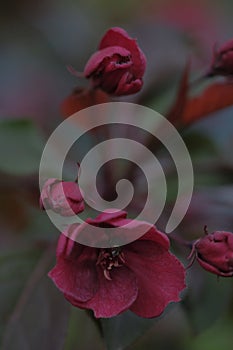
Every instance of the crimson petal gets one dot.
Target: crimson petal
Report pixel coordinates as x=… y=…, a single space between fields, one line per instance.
x=113 y=297
x=126 y=88
x=213 y=269
x=71 y=190
x=97 y=58
x=156 y=236
x=108 y=216
x=77 y=278
x=160 y=277
x=134 y=227
x=119 y=37
x=68 y=248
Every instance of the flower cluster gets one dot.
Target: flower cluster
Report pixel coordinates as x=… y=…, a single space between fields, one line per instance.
x=115 y=69
x=142 y=276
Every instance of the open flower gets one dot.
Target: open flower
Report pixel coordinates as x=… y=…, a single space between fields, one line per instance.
x=214 y=252
x=119 y=64
x=63 y=197
x=142 y=276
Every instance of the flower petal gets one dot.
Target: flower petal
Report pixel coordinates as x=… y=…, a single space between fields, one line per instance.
x=108 y=216
x=77 y=278
x=134 y=227
x=68 y=248
x=71 y=190
x=160 y=277
x=156 y=236
x=213 y=269
x=45 y=193
x=97 y=58
x=112 y=297
x=119 y=37
x=87 y=234
x=126 y=88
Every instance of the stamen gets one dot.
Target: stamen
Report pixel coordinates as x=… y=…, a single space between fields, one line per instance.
x=109 y=258
x=107 y=275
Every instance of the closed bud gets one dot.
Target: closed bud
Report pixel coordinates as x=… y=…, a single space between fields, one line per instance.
x=63 y=197
x=222 y=63
x=214 y=252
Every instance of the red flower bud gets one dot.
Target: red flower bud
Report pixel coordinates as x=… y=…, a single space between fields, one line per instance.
x=214 y=252
x=222 y=63
x=118 y=67
x=64 y=198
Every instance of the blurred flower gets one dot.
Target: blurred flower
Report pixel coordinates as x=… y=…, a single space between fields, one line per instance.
x=64 y=198
x=197 y=20
x=214 y=252
x=142 y=276
x=222 y=63
x=119 y=64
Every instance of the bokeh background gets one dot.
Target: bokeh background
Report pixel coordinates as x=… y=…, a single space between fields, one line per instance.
x=37 y=40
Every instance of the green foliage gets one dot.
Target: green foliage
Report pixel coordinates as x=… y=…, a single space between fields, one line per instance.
x=122 y=330
x=35 y=314
x=82 y=332
x=21 y=146
x=207 y=300
x=15 y=267
x=219 y=336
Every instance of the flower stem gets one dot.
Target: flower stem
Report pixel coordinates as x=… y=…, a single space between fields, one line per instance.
x=96 y=321
x=181 y=241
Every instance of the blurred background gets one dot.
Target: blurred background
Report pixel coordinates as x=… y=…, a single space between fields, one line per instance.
x=38 y=39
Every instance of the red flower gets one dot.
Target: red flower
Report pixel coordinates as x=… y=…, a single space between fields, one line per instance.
x=118 y=66
x=62 y=197
x=214 y=252
x=222 y=63
x=142 y=276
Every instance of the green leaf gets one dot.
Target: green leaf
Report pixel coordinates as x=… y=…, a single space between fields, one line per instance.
x=200 y=146
x=39 y=228
x=219 y=336
x=164 y=98
x=21 y=147
x=207 y=300
x=82 y=332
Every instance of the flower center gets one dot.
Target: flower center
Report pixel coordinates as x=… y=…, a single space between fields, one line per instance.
x=109 y=258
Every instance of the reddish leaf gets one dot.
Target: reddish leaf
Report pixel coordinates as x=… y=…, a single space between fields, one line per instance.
x=174 y=115
x=190 y=109
x=217 y=96
x=82 y=98
x=11 y=204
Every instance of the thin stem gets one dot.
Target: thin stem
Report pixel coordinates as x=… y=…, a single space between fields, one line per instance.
x=74 y=72
x=181 y=241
